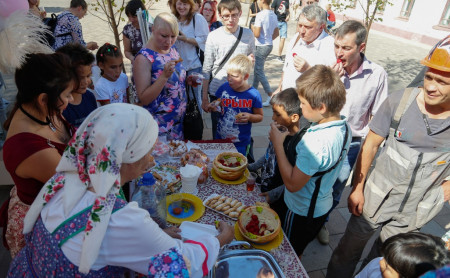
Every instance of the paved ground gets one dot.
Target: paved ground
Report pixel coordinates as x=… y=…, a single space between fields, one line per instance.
x=399 y=57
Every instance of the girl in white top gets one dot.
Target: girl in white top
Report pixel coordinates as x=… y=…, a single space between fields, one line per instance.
x=193 y=33
x=111 y=147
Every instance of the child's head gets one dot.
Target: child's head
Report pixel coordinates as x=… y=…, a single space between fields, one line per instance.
x=321 y=92
x=412 y=254
x=238 y=71
x=286 y=108
x=82 y=61
x=45 y=83
x=230 y=11
x=110 y=61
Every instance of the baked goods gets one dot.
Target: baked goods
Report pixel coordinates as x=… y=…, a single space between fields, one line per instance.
x=216 y=102
x=177 y=148
x=179 y=60
x=230 y=165
x=259 y=224
x=168 y=175
x=198 y=158
x=224 y=205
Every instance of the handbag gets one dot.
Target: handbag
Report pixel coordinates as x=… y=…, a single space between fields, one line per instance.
x=193 y=122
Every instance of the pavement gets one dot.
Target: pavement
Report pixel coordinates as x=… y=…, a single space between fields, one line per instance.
x=398 y=56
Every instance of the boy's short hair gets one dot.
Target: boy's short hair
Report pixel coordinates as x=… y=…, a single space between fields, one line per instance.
x=412 y=254
x=288 y=99
x=78 y=54
x=240 y=63
x=229 y=5
x=320 y=84
x=78 y=3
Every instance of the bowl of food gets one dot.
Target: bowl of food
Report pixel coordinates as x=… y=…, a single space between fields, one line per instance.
x=230 y=165
x=259 y=224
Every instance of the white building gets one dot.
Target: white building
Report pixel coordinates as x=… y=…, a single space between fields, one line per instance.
x=425 y=21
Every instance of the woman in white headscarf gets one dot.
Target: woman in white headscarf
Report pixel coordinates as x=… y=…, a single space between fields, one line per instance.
x=79 y=224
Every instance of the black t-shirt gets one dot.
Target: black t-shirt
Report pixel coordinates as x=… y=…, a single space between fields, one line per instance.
x=281 y=9
x=75 y=114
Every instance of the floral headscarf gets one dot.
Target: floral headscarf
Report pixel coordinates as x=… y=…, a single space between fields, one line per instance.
x=109 y=136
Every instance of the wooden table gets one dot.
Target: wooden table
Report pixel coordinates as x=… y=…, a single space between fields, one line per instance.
x=284 y=254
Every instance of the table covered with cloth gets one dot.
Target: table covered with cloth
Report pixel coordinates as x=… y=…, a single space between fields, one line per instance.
x=284 y=253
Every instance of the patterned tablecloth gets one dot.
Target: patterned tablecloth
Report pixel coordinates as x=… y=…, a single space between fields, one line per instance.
x=284 y=254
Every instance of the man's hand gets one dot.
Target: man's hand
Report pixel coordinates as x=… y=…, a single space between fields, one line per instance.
x=338 y=68
x=446 y=188
x=356 y=203
x=300 y=64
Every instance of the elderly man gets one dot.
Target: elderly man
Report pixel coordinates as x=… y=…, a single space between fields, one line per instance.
x=310 y=46
x=366 y=86
x=409 y=183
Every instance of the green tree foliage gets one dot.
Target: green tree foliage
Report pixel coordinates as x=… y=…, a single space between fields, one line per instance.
x=373 y=10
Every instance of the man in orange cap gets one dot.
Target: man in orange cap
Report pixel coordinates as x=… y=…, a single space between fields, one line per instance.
x=410 y=181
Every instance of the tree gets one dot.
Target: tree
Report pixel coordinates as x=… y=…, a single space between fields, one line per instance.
x=372 y=10
x=113 y=12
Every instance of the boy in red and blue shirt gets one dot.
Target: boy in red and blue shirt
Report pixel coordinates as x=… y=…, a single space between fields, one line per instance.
x=240 y=105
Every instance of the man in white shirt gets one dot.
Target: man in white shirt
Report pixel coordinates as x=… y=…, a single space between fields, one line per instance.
x=366 y=86
x=310 y=46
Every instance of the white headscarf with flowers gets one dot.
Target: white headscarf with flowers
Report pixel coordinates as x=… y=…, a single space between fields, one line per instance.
x=109 y=136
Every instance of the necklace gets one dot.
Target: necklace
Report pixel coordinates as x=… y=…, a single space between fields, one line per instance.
x=52 y=127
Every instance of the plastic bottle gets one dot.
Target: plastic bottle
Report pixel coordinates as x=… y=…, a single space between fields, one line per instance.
x=151 y=196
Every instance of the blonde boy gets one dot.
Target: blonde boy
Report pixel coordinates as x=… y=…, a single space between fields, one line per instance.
x=308 y=192
x=240 y=104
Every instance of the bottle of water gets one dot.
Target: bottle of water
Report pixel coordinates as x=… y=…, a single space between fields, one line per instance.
x=151 y=196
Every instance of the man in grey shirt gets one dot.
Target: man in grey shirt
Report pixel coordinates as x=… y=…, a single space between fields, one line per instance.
x=218 y=44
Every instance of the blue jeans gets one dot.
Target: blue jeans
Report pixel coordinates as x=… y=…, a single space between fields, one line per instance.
x=261 y=53
x=349 y=161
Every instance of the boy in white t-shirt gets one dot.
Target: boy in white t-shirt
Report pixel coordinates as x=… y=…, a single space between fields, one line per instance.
x=265 y=30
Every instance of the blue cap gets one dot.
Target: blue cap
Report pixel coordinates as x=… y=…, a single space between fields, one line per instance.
x=147 y=179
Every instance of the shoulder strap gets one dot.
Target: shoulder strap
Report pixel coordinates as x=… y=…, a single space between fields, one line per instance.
x=406 y=100
x=222 y=63
x=312 y=205
x=296 y=40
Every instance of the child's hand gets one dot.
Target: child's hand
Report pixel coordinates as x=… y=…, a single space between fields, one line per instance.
x=212 y=107
x=243 y=117
x=266 y=195
x=275 y=135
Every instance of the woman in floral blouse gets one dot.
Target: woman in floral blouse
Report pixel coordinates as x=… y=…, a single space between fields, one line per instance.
x=79 y=224
x=159 y=78
x=68 y=29
x=132 y=39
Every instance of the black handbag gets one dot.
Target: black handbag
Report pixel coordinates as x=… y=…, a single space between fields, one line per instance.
x=193 y=122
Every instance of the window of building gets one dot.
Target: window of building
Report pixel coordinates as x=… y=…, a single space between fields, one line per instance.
x=407 y=8
x=445 y=19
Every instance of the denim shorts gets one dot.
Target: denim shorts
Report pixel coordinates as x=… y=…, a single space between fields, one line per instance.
x=282 y=26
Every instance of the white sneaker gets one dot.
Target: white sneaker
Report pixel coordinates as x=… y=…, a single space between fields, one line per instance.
x=267 y=102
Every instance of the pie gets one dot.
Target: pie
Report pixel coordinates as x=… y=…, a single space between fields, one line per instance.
x=230 y=165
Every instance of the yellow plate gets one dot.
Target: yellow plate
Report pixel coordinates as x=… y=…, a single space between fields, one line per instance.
x=192 y=207
x=242 y=179
x=265 y=246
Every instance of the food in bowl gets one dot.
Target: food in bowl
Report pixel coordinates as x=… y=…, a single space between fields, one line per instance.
x=259 y=224
x=230 y=165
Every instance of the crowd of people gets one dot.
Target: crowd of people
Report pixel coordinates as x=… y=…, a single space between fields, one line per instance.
x=72 y=143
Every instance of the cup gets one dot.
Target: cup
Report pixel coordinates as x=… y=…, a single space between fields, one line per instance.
x=251 y=180
x=195 y=79
x=282 y=128
x=189 y=177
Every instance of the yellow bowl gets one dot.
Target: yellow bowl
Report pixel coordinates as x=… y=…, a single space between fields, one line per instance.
x=265 y=215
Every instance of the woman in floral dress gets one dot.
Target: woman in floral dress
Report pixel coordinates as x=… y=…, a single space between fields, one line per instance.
x=159 y=78
x=79 y=224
